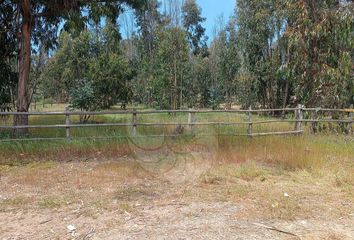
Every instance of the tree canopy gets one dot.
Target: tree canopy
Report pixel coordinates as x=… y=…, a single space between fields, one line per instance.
x=34 y=22
x=268 y=54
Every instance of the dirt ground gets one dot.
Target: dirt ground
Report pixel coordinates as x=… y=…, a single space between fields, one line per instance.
x=120 y=199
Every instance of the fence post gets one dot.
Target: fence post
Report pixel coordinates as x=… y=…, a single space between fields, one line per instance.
x=67 y=122
x=134 y=122
x=351 y=116
x=298 y=117
x=314 y=124
x=250 y=124
x=191 y=120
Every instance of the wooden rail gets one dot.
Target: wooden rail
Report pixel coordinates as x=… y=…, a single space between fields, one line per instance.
x=191 y=122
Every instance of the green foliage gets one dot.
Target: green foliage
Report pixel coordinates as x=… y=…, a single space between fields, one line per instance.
x=47 y=16
x=225 y=61
x=148 y=19
x=320 y=35
x=214 y=98
x=270 y=54
x=299 y=48
x=260 y=27
x=173 y=63
x=145 y=62
x=109 y=75
x=8 y=49
x=69 y=64
x=33 y=23
x=83 y=97
x=192 y=22
x=198 y=82
x=7 y=84
x=105 y=71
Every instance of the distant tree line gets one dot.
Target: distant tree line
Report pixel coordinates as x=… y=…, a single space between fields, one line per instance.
x=269 y=54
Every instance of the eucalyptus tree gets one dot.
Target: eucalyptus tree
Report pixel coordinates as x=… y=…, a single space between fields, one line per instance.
x=149 y=19
x=254 y=21
x=172 y=9
x=110 y=72
x=230 y=62
x=173 y=63
x=8 y=51
x=38 y=21
x=321 y=47
x=89 y=70
x=57 y=76
x=192 y=22
x=299 y=48
x=197 y=82
x=225 y=62
x=149 y=23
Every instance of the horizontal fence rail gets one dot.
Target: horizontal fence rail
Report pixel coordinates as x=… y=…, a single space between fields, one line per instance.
x=129 y=112
x=73 y=113
x=171 y=124
x=298 y=114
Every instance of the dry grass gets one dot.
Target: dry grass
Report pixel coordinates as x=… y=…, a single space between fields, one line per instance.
x=272 y=193
x=269 y=179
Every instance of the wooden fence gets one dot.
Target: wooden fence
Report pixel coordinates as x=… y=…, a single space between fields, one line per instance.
x=299 y=116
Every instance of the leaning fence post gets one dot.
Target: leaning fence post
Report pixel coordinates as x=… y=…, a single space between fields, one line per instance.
x=298 y=117
x=134 y=122
x=67 y=123
x=296 y=114
x=191 y=120
x=351 y=116
x=250 y=124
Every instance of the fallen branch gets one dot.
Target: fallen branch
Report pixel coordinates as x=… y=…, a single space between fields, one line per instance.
x=171 y=204
x=45 y=221
x=89 y=234
x=275 y=229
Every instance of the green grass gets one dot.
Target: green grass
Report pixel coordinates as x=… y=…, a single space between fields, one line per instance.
x=178 y=118
x=51 y=202
x=306 y=151
x=121 y=131
x=17 y=201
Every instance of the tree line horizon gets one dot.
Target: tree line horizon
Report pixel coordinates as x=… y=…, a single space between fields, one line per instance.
x=268 y=54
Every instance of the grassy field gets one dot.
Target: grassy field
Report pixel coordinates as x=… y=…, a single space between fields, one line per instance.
x=179 y=118
x=209 y=187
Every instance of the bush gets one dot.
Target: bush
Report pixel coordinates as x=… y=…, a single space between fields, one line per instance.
x=83 y=98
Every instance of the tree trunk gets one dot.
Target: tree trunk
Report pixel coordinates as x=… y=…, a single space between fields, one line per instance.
x=285 y=97
x=175 y=92
x=24 y=67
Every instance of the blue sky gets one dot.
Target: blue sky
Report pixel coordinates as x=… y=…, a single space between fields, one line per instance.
x=211 y=9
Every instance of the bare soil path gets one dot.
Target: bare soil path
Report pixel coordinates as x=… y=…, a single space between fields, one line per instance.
x=118 y=200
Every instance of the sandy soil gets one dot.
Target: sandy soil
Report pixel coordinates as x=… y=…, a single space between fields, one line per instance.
x=119 y=200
